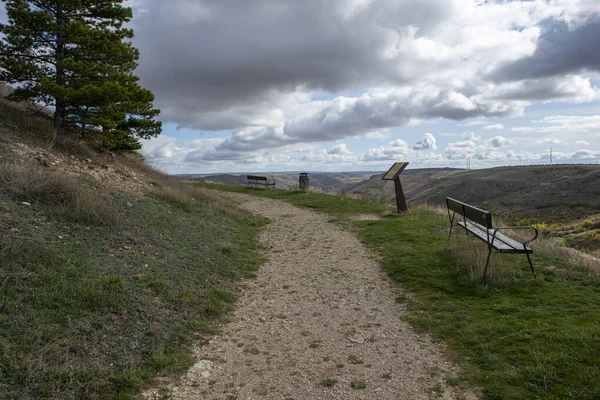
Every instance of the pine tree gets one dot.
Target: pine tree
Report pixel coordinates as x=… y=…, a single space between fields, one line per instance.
x=76 y=57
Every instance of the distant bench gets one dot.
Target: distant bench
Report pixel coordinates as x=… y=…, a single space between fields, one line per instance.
x=257 y=181
x=478 y=223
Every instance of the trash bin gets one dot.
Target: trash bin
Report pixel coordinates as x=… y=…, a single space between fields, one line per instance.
x=304 y=181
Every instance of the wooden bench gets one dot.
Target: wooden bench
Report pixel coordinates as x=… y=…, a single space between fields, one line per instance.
x=478 y=223
x=257 y=181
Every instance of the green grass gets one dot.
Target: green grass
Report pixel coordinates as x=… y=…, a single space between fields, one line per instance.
x=337 y=206
x=515 y=336
x=96 y=311
x=329 y=382
x=358 y=385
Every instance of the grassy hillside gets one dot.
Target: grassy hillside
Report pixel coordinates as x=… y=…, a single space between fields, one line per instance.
x=516 y=337
x=109 y=271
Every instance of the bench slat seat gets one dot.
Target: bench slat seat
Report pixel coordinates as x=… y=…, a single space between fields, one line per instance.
x=502 y=243
x=478 y=223
x=255 y=180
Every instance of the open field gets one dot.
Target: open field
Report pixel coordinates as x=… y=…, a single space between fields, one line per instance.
x=515 y=336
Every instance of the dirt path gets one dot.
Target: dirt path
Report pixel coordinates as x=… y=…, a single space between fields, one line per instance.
x=320 y=309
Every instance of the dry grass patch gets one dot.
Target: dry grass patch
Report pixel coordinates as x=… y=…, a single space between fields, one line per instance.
x=587 y=263
x=176 y=196
x=19 y=120
x=471 y=256
x=28 y=183
x=33 y=184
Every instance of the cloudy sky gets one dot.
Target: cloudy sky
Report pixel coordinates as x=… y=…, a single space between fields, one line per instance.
x=276 y=85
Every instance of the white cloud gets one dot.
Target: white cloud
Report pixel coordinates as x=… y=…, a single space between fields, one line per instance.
x=340 y=149
x=475 y=122
x=549 y=141
x=396 y=150
x=476 y=148
x=163 y=147
x=495 y=127
x=427 y=143
x=563 y=129
x=470 y=136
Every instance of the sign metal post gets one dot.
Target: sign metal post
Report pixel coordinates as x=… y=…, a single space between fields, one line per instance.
x=394 y=175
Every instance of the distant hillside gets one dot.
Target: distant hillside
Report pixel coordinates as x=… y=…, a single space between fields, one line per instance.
x=327 y=181
x=558 y=193
x=563 y=199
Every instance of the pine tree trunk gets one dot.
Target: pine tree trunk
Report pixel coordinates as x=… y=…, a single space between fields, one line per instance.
x=59 y=113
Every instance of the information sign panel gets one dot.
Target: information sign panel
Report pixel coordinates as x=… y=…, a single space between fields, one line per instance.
x=394 y=175
x=396 y=170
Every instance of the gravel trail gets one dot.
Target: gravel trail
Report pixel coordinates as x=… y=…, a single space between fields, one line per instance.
x=319 y=322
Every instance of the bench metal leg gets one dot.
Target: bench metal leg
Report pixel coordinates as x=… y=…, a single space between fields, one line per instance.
x=530 y=264
x=451 y=226
x=487 y=262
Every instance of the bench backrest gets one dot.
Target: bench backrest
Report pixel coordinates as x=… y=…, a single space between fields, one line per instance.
x=256 y=178
x=475 y=214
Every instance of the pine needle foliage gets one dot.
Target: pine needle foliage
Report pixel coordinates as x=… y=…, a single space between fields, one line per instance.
x=76 y=57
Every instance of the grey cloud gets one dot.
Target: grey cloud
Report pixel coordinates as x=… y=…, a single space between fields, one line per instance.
x=498 y=141
x=339 y=149
x=586 y=155
x=347 y=117
x=549 y=88
x=207 y=61
x=559 y=50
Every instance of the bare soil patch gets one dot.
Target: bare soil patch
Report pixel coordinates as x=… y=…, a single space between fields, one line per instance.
x=366 y=217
